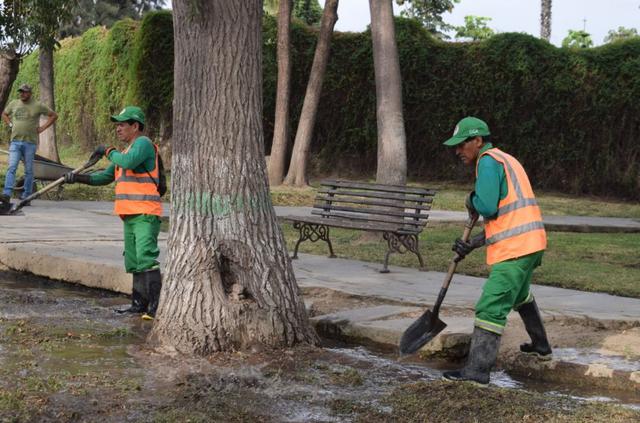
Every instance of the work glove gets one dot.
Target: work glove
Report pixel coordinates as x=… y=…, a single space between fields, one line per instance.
x=98 y=152
x=468 y=203
x=72 y=178
x=462 y=248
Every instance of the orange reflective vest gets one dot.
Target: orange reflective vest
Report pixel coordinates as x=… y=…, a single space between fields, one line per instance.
x=137 y=193
x=518 y=229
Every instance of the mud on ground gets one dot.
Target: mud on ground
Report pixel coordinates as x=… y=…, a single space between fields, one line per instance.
x=65 y=356
x=609 y=339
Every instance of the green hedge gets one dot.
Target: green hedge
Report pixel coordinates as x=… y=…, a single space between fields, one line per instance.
x=571 y=116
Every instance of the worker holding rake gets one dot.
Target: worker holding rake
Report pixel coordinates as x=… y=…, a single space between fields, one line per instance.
x=515 y=238
x=137 y=173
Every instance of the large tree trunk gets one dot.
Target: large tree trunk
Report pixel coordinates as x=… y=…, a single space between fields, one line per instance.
x=392 y=141
x=281 y=126
x=47 y=145
x=545 y=20
x=9 y=65
x=297 y=174
x=228 y=280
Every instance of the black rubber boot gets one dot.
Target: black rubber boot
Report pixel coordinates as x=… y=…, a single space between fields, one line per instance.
x=139 y=301
x=482 y=357
x=153 y=283
x=539 y=345
x=5 y=203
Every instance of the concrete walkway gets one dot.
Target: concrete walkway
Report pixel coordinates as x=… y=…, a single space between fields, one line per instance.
x=81 y=242
x=553 y=223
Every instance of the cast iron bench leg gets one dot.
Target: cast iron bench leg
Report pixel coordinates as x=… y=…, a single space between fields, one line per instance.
x=399 y=243
x=312 y=232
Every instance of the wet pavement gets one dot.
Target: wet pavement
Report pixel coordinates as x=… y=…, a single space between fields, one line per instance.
x=66 y=356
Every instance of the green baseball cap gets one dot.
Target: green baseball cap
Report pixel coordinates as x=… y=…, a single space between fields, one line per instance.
x=129 y=113
x=467 y=128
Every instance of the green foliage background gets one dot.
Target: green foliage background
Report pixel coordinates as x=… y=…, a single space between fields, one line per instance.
x=571 y=116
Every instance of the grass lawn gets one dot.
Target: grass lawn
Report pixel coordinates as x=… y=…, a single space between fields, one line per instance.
x=588 y=262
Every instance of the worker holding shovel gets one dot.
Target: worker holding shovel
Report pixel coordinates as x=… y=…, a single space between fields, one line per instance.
x=515 y=238
x=136 y=172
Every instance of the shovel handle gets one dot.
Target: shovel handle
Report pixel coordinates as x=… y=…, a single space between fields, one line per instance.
x=471 y=221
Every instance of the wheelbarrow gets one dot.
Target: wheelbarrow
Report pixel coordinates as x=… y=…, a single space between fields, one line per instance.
x=44 y=171
x=7 y=208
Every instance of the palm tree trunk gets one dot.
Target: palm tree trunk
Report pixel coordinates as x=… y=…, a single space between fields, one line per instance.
x=47 y=145
x=281 y=126
x=297 y=174
x=9 y=65
x=545 y=20
x=392 y=150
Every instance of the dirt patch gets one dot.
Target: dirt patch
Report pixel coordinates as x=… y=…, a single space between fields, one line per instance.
x=326 y=301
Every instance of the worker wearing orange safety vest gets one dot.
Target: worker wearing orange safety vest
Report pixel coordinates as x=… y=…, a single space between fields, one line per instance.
x=136 y=173
x=515 y=238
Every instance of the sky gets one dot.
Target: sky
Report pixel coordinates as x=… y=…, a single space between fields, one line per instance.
x=520 y=16
x=596 y=16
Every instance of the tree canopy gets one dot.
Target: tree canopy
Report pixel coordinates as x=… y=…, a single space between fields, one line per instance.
x=308 y=11
x=89 y=13
x=620 y=34
x=429 y=14
x=577 y=39
x=475 y=28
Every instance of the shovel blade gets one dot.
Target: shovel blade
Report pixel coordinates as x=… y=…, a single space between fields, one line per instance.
x=423 y=330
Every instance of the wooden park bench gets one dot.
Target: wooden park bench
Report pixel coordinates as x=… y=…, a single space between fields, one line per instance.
x=398 y=211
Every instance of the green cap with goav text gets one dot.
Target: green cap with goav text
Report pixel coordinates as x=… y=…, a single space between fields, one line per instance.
x=468 y=127
x=129 y=113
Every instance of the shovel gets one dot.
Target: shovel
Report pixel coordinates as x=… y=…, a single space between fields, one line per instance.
x=429 y=324
x=8 y=209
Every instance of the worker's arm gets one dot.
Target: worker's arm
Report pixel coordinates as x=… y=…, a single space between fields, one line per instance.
x=52 y=117
x=141 y=150
x=6 y=119
x=104 y=177
x=488 y=187
x=6 y=114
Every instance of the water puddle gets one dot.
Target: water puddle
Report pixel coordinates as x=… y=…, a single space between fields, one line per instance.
x=593 y=356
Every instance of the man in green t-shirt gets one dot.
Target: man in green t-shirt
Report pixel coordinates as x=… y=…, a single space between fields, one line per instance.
x=23 y=116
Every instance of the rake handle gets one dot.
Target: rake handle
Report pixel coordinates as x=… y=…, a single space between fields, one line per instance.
x=93 y=160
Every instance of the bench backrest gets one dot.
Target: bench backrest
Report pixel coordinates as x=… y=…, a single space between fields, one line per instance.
x=396 y=207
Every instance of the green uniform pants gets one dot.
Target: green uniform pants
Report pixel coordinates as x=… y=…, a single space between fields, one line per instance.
x=141 y=242
x=507 y=288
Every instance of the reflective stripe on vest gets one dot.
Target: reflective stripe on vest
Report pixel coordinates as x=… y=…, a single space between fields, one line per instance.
x=137 y=193
x=518 y=229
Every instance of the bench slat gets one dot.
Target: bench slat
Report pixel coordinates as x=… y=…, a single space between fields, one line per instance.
x=369 y=210
x=378 y=187
x=340 y=199
x=369 y=218
x=350 y=224
x=379 y=195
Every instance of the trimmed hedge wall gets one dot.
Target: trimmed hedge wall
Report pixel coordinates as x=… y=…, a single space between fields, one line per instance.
x=571 y=116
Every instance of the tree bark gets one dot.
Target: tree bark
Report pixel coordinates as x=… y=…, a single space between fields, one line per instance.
x=392 y=150
x=545 y=20
x=281 y=126
x=47 y=145
x=228 y=280
x=9 y=65
x=297 y=174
